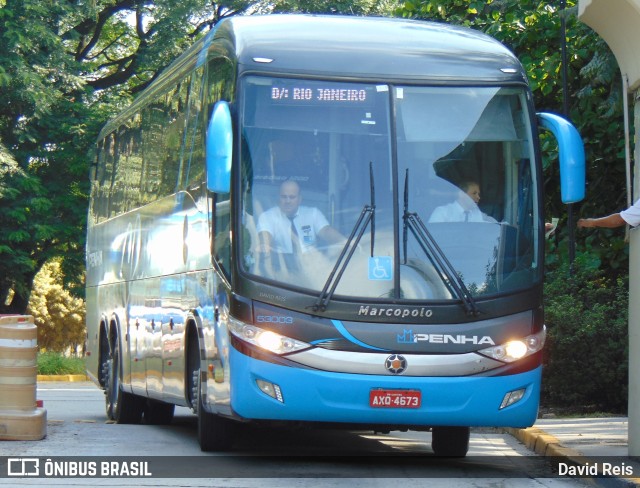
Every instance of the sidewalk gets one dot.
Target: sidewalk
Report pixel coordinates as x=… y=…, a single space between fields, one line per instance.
x=586 y=443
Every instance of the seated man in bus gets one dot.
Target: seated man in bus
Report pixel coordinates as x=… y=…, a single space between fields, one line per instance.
x=464 y=208
x=292 y=229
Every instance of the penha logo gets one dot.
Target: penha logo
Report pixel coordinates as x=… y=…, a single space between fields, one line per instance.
x=408 y=337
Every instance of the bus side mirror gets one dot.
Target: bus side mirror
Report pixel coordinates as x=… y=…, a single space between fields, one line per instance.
x=571 y=154
x=219 y=149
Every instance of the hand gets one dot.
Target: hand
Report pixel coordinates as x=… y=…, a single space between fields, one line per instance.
x=550 y=227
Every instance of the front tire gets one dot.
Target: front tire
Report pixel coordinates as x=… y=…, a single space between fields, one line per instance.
x=450 y=441
x=215 y=433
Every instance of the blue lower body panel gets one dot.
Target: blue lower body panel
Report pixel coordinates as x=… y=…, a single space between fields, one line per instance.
x=321 y=396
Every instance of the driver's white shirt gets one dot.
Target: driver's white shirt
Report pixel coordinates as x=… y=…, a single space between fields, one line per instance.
x=454 y=212
x=309 y=221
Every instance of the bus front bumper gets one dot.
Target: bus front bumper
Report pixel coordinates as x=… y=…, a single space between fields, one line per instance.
x=265 y=391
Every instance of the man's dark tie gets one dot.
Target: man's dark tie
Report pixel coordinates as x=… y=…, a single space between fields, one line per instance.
x=466 y=216
x=295 y=242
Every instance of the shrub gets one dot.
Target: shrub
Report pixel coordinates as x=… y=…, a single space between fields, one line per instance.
x=586 y=357
x=51 y=363
x=60 y=317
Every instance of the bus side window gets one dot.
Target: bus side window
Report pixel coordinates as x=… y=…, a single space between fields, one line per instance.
x=110 y=182
x=192 y=157
x=101 y=185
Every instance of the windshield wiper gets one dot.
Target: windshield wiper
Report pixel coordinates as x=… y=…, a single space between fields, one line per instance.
x=367 y=215
x=413 y=222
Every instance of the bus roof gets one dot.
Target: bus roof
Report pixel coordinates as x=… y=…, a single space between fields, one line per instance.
x=369 y=47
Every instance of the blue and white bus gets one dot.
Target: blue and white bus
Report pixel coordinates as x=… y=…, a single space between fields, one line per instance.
x=333 y=221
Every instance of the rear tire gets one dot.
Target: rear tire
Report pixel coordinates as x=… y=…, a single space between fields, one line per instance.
x=121 y=407
x=450 y=441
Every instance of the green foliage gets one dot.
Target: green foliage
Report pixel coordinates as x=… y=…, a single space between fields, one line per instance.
x=65 y=68
x=53 y=363
x=42 y=102
x=532 y=30
x=347 y=7
x=586 y=355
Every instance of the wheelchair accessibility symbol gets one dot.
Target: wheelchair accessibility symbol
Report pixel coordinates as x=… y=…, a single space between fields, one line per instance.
x=380 y=268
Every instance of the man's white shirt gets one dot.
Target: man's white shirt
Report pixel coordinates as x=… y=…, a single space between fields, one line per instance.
x=308 y=221
x=454 y=212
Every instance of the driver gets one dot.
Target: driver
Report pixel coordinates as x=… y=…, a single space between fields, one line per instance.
x=464 y=208
x=291 y=228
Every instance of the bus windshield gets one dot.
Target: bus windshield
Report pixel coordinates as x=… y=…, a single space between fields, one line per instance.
x=445 y=173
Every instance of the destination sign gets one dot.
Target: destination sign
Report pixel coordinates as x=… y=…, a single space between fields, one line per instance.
x=302 y=94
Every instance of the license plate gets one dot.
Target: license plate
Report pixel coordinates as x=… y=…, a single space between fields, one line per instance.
x=380 y=398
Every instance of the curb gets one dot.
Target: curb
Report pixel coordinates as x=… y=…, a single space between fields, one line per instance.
x=544 y=444
x=62 y=377
x=538 y=441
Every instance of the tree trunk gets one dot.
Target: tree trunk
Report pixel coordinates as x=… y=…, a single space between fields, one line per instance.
x=17 y=304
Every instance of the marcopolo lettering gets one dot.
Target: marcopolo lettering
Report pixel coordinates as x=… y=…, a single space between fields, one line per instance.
x=400 y=312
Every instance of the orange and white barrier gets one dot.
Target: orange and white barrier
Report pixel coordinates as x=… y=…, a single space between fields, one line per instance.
x=20 y=416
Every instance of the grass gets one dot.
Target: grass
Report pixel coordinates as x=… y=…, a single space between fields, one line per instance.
x=52 y=363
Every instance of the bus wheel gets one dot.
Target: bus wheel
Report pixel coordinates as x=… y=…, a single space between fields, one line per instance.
x=450 y=441
x=215 y=433
x=122 y=407
x=157 y=412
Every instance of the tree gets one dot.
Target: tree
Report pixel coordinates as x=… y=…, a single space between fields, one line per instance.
x=346 y=7
x=36 y=218
x=59 y=316
x=65 y=68
x=531 y=29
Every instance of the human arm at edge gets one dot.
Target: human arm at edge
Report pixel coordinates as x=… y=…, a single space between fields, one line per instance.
x=610 y=221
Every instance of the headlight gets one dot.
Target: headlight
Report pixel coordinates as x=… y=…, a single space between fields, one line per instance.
x=517 y=349
x=265 y=339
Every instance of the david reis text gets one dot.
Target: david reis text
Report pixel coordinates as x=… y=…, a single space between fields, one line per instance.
x=595 y=469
